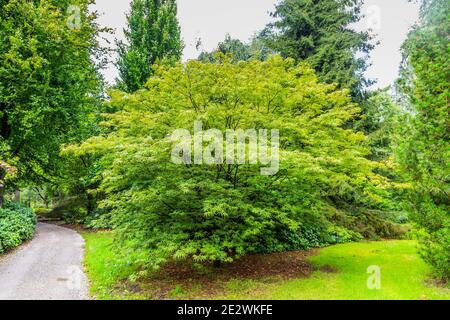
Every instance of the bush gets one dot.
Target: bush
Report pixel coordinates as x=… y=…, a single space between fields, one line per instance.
x=17 y=224
x=217 y=213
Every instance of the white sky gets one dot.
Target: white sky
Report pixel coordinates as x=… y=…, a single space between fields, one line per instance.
x=211 y=20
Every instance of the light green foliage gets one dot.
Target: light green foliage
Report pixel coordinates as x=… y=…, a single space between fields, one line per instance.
x=319 y=32
x=17 y=224
x=152 y=34
x=48 y=83
x=424 y=139
x=220 y=212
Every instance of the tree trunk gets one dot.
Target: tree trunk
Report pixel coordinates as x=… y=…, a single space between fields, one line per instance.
x=90 y=205
x=2 y=187
x=2 y=195
x=17 y=196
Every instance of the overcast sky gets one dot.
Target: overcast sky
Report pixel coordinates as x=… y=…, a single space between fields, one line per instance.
x=211 y=20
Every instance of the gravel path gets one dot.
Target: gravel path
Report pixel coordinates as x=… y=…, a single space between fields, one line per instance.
x=47 y=268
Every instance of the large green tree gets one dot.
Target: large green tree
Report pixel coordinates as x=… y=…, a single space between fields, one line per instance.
x=319 y=31
x=153 y=33
x=424 y=142
x=49 y=84
x=325 y=190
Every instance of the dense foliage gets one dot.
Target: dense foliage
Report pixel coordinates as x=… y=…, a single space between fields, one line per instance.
x=326 y=190
x=152 y=34
x=237 y=50
x=424 y=143
x=349 y=160
x=320 y=32
x=379 y=120
x=17 y=224
x=49 y=86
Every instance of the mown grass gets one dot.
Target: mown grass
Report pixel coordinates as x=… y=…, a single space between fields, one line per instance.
x=106 y=269
x=403 y=275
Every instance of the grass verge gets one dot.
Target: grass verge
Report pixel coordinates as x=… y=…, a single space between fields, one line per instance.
x=107 y=271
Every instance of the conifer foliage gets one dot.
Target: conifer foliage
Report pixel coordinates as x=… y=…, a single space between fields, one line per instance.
x=320 y=32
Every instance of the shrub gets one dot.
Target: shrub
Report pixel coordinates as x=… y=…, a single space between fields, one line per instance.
x=17 y=224
x=216 y=213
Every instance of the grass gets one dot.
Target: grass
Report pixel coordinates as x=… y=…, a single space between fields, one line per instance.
x=107 y=271
x=403 y=275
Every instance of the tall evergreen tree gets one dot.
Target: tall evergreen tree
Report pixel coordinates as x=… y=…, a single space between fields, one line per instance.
x=153 y=33
x=319 y=32
x=424 y=144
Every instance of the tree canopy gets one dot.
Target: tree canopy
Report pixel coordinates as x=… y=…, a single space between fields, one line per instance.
x=219 y=212
x=153 y=33
x=320 y=33
x=48 y=82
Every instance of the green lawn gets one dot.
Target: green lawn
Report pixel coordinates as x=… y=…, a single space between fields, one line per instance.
x=403 y=275
x=105 y=269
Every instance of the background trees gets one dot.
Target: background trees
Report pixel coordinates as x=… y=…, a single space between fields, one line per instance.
x=49 y=86
x=381 y=115
x=153 y=33
x=424 y=139
x=319 y=32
